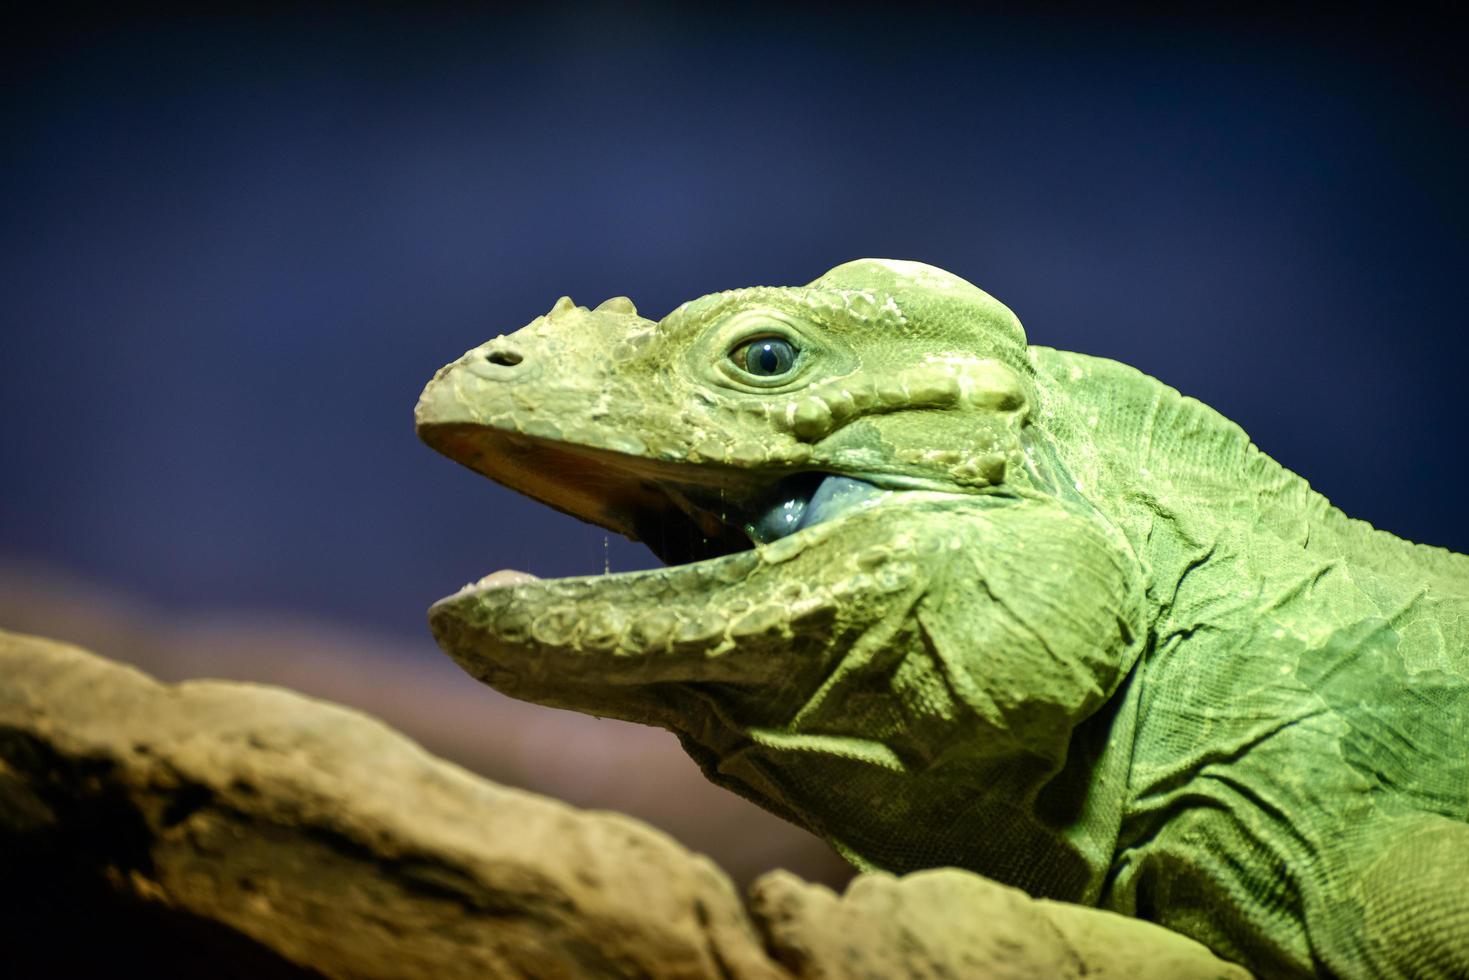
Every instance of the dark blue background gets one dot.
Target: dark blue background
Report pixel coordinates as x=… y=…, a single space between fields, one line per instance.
x=234 y=248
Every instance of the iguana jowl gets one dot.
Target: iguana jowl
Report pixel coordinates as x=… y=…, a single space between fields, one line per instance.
x=945 y=598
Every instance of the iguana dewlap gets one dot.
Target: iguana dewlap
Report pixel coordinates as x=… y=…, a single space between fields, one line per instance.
x=945 y=598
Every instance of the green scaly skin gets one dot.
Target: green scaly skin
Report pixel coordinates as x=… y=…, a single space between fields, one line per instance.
x=1094 y=643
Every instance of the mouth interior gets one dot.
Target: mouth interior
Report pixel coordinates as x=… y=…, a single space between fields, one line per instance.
x=713 y=528
x=805 y=499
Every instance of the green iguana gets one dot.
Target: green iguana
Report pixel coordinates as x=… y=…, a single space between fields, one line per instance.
x=944 y=598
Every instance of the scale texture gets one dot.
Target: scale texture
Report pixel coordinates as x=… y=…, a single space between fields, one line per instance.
x=1076 y=632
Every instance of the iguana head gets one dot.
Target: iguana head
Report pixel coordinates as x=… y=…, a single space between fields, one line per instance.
x=683 y=433
x=880 y=584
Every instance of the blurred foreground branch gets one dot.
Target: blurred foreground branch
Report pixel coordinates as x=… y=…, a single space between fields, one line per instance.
x=215 y=828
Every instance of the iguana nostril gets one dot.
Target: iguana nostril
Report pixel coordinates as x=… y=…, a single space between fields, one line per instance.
x=503 y=357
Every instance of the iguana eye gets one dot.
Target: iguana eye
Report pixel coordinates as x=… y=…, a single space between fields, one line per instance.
x=766 y=357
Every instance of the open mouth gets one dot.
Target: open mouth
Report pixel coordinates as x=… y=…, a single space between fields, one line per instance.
x=683 y=512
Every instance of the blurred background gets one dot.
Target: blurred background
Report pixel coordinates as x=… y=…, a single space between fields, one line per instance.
x=236 y=244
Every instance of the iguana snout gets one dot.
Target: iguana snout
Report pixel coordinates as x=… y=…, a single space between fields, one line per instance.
x=545 y=410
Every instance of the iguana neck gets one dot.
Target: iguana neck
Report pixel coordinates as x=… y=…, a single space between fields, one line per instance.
x=1147 y=455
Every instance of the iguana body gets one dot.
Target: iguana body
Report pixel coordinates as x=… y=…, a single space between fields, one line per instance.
x=1059 y=624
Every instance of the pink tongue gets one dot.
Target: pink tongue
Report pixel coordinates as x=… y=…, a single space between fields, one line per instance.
x=506 y=576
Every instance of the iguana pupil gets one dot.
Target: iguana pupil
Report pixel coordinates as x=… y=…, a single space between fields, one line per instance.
x=769 y=357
